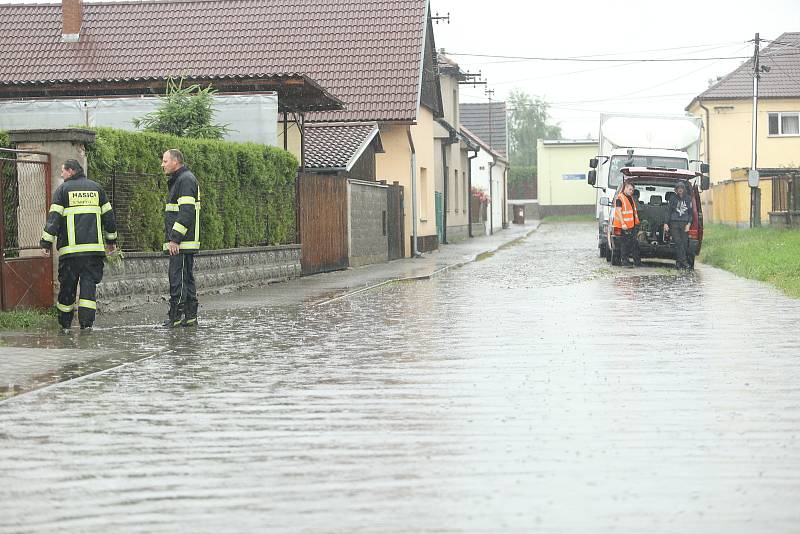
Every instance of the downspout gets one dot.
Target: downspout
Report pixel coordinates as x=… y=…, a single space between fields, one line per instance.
x=445 y=192
x=491 y=198
x=414 y=237
x=469 y=193
x=708 y=131
x=505 y=196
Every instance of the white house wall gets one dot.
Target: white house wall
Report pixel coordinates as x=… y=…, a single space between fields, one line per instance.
x=251 y=118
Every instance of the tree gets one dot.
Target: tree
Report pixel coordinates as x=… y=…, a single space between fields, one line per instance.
x=529 y=121
x=185 y=112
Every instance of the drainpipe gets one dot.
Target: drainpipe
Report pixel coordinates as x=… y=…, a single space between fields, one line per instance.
x=414 y=237
x=445 y=192
x=505 y=197
x=469 y=193
x=708 y=131
x=491 y=198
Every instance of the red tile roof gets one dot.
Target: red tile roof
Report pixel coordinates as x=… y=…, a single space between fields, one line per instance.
x=339 y=146
x=365 y=52
x=781 y=56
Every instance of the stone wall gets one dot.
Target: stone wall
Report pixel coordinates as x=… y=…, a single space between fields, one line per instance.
x=369 y=242
x=142 y=276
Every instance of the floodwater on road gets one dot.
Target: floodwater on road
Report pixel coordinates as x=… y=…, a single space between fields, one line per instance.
x=536 y=390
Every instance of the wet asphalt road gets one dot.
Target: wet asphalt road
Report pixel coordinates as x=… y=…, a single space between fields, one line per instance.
x=535 y=390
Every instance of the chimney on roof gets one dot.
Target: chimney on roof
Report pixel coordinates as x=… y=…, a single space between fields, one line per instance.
x=71 y=18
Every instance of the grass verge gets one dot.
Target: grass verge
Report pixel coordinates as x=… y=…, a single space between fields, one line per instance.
x=26 y=319
x=765 y=254
x=569 y=219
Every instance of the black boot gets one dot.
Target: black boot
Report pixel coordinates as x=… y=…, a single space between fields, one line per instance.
x=191 y=314
x=65 y=320
x=173 y=315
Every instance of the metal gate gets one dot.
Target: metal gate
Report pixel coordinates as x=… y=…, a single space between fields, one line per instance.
x=395 y=221
x=26 y=278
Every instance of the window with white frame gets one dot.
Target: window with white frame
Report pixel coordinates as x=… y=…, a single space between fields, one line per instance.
x=784 y=123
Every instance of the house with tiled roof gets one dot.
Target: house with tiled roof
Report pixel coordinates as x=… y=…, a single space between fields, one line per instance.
x=452 y=151
x=489 y=174
x=328 y=60
x=345 y=149
x=487 y=123
x=726 y=109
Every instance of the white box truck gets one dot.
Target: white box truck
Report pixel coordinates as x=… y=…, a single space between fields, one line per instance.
x=627 y=140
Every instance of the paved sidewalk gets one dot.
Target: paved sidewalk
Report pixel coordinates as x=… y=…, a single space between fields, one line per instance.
x=33 y=359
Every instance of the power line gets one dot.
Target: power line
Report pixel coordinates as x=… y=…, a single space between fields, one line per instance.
x=613 y=60
x=700 y=49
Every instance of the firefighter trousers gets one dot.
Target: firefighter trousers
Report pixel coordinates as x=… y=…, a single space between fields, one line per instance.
x=182 y=288
x=86 y=271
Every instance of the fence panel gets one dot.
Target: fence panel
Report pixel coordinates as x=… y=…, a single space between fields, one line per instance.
x=322 y=210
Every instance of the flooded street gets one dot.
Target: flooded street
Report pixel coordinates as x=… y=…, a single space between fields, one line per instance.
x=534 y=390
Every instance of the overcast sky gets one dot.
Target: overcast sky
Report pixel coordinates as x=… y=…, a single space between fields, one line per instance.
x=579 y=91
x=628 y=29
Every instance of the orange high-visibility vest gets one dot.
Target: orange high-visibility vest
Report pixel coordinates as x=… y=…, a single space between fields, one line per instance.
x=626 y=217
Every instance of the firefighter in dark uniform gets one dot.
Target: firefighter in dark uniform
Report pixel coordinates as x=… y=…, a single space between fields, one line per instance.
x=81 y=224
x=182 y=239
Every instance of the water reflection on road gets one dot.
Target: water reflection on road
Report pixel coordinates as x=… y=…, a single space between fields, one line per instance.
x=535 y=390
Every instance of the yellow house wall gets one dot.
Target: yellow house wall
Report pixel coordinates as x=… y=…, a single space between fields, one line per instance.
x=554 y=161
x=729 y=129
x=395 y=166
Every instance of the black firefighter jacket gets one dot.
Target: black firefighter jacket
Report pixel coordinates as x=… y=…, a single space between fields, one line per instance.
x=182 y=212
x=81 y=220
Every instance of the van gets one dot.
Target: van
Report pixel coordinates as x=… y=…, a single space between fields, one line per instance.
x=655 y=187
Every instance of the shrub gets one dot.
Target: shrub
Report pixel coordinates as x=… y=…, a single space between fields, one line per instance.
x=247 y=190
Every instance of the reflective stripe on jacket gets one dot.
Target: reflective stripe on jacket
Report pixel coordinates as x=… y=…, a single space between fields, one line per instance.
x=182 y=212
x=80 y=221
x=627 y=216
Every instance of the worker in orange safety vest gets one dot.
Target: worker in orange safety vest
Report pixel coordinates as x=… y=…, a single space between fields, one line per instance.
x=626 y=220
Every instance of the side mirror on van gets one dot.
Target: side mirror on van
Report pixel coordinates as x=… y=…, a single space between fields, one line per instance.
x=704 y=168
x=605 y=201
x=705 y=183
x=593 y=163
x=592 y=177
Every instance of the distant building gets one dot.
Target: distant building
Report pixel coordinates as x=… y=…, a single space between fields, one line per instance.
x=562 y=168
x=487 y=124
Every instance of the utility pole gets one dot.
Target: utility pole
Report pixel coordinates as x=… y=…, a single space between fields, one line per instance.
x=490 y=94
x=753 y=176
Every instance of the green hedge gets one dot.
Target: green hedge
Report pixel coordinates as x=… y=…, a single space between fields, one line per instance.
x=522 y=182
x=247 y=190
x=4 y=142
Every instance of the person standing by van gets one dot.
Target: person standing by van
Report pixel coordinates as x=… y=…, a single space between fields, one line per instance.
x=678 y=221
x=626 y=220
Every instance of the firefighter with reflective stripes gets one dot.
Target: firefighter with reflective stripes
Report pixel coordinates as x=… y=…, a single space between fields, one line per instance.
x=81 y=224
x=182 y=239
x=626 y=220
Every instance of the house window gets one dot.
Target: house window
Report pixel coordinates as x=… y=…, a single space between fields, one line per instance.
x=423 y=193
x=784 y=123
